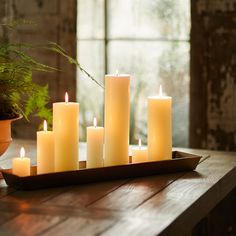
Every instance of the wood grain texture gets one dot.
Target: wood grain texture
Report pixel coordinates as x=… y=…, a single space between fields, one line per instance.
x=158 y=205
x=34 y=197
x=29 y=224
x=6 y=216
x=135 y=192
x=79 y=226
x=136 y=226
x=67 y=211
x=83 y=195
x=196 y=190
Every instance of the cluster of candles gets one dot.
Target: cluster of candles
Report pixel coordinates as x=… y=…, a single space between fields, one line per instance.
x=57 y=150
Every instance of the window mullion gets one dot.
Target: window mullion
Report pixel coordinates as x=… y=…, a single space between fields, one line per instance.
x=105 y=36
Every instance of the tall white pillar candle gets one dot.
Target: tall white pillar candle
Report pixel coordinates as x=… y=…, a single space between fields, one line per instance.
x=66 y=133
x=45 y=150
x=95 y=140
x=21 y=165
x=159 y=127
x=117 y=118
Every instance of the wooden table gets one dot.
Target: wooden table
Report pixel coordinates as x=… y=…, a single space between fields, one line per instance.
x=173 y=204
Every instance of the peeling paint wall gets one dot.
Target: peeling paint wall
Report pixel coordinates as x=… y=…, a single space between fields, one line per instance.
x=55 y=20
x=213 y=72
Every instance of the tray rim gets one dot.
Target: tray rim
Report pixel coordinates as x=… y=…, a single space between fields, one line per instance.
x=188 y=156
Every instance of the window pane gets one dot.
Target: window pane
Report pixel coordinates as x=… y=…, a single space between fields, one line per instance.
x=147 y=39
x=152 y=64
x=149 y=19
x=90 y=19
x=89 y=94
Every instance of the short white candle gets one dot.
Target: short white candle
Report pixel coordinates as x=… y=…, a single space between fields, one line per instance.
x=139 y=154
x=66 y=133
x=159 y=127
x=21 y=165
x=95 y=140
x=45 y=150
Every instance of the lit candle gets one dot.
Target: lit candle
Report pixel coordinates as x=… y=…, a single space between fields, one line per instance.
x=21 y=165
x=117 y=117
x=139 y=154
x=66 y=134
x=95 y=139
x=159 y=127
x=45 y=150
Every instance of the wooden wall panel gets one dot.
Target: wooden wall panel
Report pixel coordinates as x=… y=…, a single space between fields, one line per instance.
x=55 y=21
x=213 y=75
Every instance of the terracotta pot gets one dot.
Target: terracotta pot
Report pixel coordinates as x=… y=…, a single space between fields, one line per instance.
x=5 y=134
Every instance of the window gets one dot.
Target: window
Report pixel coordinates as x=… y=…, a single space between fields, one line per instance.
x=147 y=39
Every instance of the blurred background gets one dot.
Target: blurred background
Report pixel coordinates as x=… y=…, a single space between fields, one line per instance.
x=147 y=39
x=188 y=46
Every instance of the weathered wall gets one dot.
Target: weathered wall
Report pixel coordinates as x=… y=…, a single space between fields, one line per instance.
x=213 y=74
x=55 y=21
x=3 y=14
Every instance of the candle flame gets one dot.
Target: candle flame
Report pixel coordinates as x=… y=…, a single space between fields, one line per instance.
x=95 y=122
x=66 y=97
x=117 y=72
x=160 y=91
x=22 y=152
x=139 y=142
x=45 y=128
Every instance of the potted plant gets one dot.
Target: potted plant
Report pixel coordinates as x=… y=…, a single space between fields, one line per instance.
x=19 y=95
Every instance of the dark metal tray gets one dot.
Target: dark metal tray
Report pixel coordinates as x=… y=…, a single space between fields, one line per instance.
x=181 y=162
